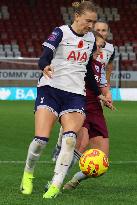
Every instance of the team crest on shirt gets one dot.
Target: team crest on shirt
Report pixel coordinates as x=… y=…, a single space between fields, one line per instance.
x=42 y=100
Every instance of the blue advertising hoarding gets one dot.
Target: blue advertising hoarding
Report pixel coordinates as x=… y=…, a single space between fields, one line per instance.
x=29 y=93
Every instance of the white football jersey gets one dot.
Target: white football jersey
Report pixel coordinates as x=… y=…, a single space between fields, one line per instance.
x=69 y=60
x=106 y=55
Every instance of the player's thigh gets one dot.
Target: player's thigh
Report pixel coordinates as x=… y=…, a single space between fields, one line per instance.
x=101 y=143
x=82 y=139
x=72 y=121
x=44 y=121
x=46 y=110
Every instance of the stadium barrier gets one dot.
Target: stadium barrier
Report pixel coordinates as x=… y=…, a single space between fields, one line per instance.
x=18 y=80
x=29 y=93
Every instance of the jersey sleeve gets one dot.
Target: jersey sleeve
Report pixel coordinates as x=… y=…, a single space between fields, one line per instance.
x=103 y=81
x=112 y=57
x=54 y=39
x=50 y=46
x=90 y=79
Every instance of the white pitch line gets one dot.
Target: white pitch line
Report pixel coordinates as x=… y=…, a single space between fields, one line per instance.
x=123 y=162
x=50 y=162
x=22 y=162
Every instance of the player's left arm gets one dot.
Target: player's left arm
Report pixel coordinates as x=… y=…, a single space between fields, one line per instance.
x=107 y=94
x=105 y=90
x=109 y=68
x=93 y=84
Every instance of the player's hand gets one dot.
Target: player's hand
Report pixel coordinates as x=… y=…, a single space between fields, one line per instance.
x=110 y=105
x=48 y=71
x=109 y=102
x=102 y=98
x=106 y=102
x=109 y=96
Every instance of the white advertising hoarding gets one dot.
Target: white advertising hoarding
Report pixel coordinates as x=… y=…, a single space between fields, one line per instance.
x=35 y=74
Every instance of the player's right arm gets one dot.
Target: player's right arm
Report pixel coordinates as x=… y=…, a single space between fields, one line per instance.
x=50 y=45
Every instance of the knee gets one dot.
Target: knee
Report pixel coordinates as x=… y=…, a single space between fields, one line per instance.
x=71 y=141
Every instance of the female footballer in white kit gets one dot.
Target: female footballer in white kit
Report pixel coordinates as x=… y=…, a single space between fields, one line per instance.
x=64 y=59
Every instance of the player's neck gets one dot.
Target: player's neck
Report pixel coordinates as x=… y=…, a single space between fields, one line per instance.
x=75 y=28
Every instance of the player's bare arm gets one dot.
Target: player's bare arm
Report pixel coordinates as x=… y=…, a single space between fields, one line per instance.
x=109 y=69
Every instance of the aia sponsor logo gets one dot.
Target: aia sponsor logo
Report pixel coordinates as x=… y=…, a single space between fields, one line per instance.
x=77 y=56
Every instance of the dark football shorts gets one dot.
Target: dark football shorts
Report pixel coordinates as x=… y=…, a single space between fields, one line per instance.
x=58 y=101
x=96 y=124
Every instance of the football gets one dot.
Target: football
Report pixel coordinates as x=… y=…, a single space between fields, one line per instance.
x=93 y=163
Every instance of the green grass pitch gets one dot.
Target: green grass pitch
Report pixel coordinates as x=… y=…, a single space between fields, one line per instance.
x=117 y=187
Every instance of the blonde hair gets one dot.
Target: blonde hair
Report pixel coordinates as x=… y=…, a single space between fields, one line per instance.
x=81 y=7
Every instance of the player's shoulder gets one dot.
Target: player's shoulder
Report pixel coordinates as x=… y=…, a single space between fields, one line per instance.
x=60 y=29
x=64 y=27
x=56 y=34
x=66 y=31
x=109 y=47
x=89 y=36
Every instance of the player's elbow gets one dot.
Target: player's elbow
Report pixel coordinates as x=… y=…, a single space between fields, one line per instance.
x=42 y=63
x=45 y=58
